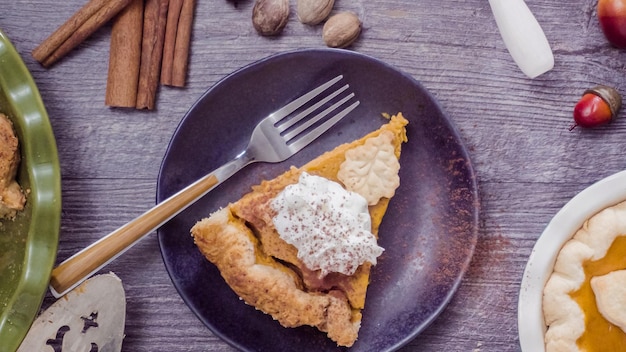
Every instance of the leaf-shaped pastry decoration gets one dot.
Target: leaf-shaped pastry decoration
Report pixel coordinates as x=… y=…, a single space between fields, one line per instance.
x=610 y=293
x=371 y=170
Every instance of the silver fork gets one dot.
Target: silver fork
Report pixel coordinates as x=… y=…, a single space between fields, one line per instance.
x=274 y=139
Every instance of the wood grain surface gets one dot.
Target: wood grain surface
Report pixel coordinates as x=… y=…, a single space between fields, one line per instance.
x=527 y=161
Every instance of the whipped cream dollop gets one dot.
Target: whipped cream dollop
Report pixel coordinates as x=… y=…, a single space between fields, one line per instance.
x=330 y=226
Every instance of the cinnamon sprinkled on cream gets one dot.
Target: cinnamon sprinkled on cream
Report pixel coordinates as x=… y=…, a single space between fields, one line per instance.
x=330 y=226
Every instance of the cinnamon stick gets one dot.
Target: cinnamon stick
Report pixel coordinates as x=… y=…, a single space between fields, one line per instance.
x=125 y=57
x=173 y=14
x=155 y=18
x=75 y=30
x=183 y=43
x=177 y=42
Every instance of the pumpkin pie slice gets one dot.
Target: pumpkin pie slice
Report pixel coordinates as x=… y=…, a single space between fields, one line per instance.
x=286 y=248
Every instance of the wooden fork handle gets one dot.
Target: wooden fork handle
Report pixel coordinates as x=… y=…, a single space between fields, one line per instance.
x=88 y=261
x=85 y=263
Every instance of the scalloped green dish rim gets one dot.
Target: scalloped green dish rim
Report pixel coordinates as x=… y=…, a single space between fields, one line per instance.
x=28 y=244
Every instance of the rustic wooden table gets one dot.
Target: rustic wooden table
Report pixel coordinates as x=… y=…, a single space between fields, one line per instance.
x=527 y=161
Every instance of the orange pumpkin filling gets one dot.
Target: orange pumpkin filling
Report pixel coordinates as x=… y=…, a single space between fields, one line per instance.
x=600 y=334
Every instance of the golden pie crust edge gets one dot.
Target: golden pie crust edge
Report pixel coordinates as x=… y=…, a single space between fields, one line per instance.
x=563 y=316
x=263 y=282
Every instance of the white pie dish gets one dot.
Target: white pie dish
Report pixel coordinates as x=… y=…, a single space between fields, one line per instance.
x=602 y=194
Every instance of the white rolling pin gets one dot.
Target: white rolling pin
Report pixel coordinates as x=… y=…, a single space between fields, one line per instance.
x=523 y=36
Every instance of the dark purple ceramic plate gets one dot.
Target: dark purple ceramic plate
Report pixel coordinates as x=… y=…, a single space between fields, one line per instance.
x=429 y=232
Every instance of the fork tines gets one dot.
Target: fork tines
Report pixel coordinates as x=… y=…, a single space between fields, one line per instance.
x=311 y=112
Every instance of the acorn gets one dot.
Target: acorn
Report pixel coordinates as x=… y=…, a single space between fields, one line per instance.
x=612 y=18
x=598 y=105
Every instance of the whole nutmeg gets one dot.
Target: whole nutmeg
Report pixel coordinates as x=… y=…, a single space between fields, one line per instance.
x=269 y=17
x=341 y=30
x=313 y=11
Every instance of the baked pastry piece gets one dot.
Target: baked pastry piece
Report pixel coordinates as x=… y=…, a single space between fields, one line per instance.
x=583 y=300
x=12 y=198
x=610 y=293
x=267 y=272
